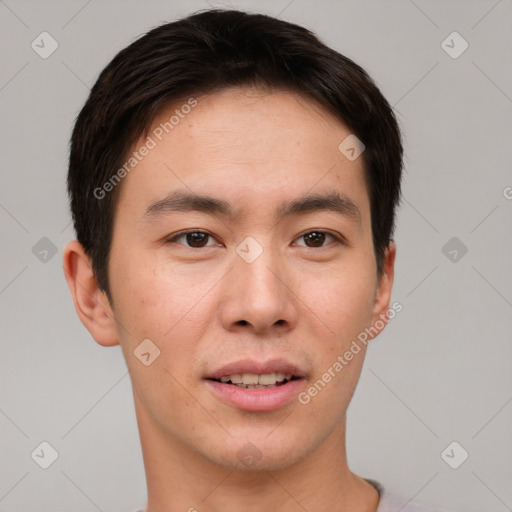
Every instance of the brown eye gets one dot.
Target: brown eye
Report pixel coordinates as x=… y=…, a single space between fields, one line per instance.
x=314 y=239
x=197 y=239
x=192 y=239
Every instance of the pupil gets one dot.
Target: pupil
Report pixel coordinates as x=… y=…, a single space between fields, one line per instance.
x=317 y=239
x=197 y=239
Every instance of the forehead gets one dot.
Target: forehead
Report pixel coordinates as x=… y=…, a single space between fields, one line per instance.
x=246 y=118
x=247 y=142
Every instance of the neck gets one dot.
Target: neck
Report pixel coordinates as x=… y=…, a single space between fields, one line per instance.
x=180 y=479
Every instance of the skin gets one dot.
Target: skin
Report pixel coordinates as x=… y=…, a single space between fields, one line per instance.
x=204 y=307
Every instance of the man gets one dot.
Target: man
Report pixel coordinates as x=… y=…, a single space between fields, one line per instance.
x=233 y=186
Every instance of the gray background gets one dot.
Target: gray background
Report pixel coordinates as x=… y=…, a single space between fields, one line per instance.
x=441 y=370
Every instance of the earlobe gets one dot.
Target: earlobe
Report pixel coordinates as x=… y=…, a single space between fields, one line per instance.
x=383 y=296
x=91 y=304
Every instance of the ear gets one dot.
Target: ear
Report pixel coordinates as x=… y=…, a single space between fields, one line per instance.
x=380 y=314
x=91 y=303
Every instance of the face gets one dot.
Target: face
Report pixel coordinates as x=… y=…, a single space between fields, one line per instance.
x=243 y=250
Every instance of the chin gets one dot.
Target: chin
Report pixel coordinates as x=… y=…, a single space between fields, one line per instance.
x=261 y=455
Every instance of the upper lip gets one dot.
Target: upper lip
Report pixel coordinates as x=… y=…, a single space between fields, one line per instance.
x=257 y=367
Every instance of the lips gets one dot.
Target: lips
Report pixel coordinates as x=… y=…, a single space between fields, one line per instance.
x=254 y=386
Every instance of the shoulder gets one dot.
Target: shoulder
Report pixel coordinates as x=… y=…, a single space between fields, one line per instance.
x=390 y=502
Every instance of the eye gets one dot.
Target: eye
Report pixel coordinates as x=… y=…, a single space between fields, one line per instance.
x=192 y=239
x=317 y=238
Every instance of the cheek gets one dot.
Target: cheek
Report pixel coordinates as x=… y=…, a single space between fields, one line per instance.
x=344 y=307
x=342 y=298
x=165 y=307
x=157 y=301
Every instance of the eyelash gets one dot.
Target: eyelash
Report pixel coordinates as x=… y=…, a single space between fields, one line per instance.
x=338 y=238
x=173 y=238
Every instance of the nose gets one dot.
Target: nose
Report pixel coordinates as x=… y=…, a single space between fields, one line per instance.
x=259 y=297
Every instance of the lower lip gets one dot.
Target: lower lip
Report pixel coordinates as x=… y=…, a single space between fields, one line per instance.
x=257 y=400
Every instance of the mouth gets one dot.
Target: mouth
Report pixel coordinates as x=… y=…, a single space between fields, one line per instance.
x=252 y=386
x=255 y=381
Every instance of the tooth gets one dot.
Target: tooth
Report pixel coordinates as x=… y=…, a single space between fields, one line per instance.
x=249 y=378
x=258 y=386
x=252 y=379
x=267 y=378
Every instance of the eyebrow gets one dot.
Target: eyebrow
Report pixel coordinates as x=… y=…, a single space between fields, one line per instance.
x=186 y=202
x=332 y=201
